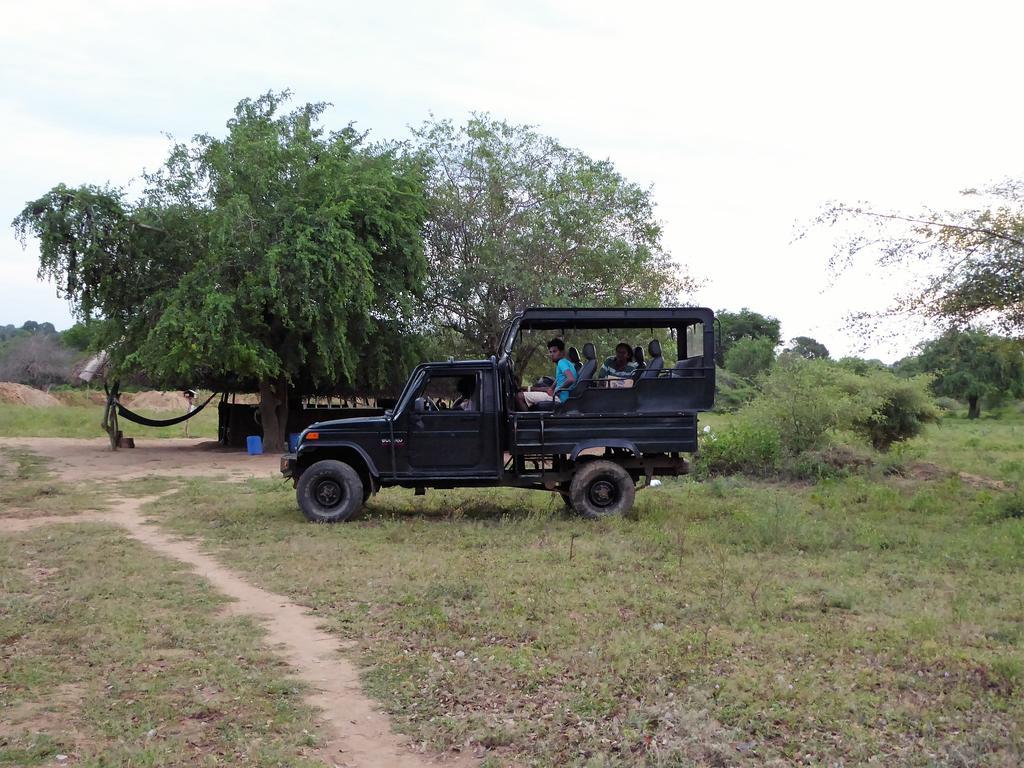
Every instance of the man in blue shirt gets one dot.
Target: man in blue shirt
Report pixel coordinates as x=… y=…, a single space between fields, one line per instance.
x=565 y=379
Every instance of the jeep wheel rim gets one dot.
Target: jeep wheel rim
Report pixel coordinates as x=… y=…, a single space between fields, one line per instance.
x=328 y=493
x=603 y=493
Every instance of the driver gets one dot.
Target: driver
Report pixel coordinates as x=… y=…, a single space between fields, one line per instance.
x=466 y=386
x=565 y=379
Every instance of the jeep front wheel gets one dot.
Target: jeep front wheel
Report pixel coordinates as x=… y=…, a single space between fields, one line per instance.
x=600 y=489
x=329 y=492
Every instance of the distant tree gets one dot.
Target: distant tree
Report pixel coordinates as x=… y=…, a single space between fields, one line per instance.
x=808 y=348
x=36 y=359
x=861 y=366
x=278 y=254
x=747 y=324
x=749 y=357
x=973 y=257
x=970 y=365
x=80 y=336
x=9 y=333
x=516 y=219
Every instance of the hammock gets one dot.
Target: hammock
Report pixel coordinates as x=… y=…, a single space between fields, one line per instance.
x=146 y=422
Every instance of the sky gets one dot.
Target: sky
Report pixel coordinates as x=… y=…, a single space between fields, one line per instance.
x=743 y=118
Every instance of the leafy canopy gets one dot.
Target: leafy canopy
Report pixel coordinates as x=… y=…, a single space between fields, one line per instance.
x=808 y=348
x=277 y=252
x=970 y=261
x=806 y=401
x=747 y=324
x=516 y=220
x=750 y=357
x=902 y=406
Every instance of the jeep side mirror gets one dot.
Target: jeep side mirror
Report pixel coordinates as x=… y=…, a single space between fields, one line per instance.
x=418 y=405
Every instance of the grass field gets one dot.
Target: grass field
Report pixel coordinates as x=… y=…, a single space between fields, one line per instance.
x=872 y=619
x=130 y=663
x=992 y=446
x=84 y=421
x=734 y=621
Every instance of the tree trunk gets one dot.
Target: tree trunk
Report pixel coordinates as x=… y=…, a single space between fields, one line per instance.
x=274 y=413
x=973 y=409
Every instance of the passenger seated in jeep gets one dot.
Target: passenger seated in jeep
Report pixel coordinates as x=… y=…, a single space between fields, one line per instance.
x=621 y=366
x=565 y=379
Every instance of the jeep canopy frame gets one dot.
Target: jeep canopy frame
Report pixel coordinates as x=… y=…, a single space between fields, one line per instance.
x=687 y=386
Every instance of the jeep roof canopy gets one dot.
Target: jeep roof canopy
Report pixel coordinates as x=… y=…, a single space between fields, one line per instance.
x=548 y=318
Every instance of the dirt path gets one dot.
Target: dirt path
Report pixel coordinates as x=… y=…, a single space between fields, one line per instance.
x=76 y=459
x=357 y=734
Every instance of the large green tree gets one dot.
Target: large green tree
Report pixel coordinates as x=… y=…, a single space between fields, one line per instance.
x=970 y=365
x=964 y=265
x=278 y=254
x=750 y=357
x=808 y=348
x=747 y=324
x=516 y=219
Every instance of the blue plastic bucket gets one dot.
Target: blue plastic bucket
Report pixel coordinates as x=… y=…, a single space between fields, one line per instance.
x=293 y=441
x=254 y=444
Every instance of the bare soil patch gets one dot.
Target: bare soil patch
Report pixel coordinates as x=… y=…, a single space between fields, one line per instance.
x=76 y=460
x=926 y=470
x=155 y=400
x=41 y=716
x=20 y=394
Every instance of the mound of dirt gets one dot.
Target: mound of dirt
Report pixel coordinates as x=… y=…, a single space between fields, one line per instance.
x=22 y=395
x=155 y=400
x=80 y=397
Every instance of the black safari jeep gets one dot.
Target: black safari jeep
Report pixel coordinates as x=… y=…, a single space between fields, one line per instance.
x=456 y=423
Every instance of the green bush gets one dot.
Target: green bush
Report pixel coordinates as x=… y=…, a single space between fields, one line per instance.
x=805 y=401
x=902 y=407
x=750 y=357
x=808 y=401
x=732 y=392
x=741 y=447
x=806 y=410
x=1010 y=506
x=948 y=404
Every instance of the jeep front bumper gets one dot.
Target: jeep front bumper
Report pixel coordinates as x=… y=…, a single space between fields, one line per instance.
x=288 y=465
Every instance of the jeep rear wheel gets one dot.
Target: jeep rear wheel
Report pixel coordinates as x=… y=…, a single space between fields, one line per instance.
x=329 y=492
x=600 y=489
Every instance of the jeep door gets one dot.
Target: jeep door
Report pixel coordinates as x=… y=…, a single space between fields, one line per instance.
x=450 y=424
